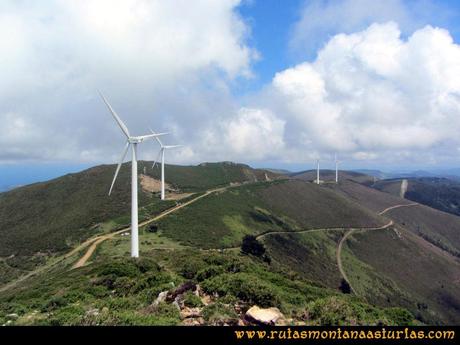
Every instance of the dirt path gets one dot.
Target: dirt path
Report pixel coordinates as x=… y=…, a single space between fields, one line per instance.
x=340 y=245
x=343 y=240
x=404 y=185
x=397 y=206
x=99 y=239
x=95 y=241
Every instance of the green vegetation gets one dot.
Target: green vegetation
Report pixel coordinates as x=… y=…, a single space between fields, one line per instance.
x=223 y=219
x=311 y=255
x=250 y=245
x=390 y=270
x=338 y=311
x=54 y=216
x=208 y=175
x=120 y=291
x=266 y=243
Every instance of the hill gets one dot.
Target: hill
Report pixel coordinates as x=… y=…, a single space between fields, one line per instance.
x=439 y=193
x=221 y=220
x=329 y=176
x=42 y=219
x=397 y=258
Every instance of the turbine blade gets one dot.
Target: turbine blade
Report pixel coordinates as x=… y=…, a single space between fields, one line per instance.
x=157 y=159
x=115 y=116
x=123 y=155
x=151 y=136
x=172 y=146
x=157 y=138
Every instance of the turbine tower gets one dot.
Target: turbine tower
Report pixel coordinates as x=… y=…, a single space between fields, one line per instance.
x=317 y=171
x=336 y=169
x=161 y=153
x=132 y=141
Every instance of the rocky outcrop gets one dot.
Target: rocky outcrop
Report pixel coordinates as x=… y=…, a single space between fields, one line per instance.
x=267 y=316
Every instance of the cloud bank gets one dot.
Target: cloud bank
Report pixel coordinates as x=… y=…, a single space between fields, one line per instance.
x=161 y=63
x=375 y=93
x=372 y=94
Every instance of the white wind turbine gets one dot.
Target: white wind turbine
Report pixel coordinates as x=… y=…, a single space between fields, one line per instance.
x=336 y=168
x=317 y=171
x=161 y=153
x=131 y=141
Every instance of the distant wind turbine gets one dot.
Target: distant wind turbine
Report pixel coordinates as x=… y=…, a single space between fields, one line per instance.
x=161 y=153
x=336 y=169
x=317 y=171
x=131 y=141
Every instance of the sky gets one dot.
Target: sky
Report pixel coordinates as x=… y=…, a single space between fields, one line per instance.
x=270 y=83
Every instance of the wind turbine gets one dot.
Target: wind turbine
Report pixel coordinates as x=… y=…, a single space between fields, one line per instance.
x=317 y=171
x=161 y=153
x=336 y=169
x=132 y=141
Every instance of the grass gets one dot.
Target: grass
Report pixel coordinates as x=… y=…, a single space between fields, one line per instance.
x=312 y=255
x=52 y=217
x=115 y=290
x=427 y=276
x=439 y=228
x=301 y=279
x=221 y=220
x=207 y=175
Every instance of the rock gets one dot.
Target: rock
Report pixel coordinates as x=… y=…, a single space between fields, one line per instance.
x=161 y=298
x=268 y=316
x=193 y=321
x=187 y=313
x=206 y=299
x=105 y=310
x=181 y=290
x=198 y=291
x=12 y=316
x=241 y=323
x=93 y=312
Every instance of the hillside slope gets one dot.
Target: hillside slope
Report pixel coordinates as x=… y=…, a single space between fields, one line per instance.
x=221 y=220
x=46 y=218
x=401 y=258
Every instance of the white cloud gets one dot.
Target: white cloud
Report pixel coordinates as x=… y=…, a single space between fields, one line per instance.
x=254 y=134
x=372 y=92
x=160 y=63
x=170 y=64
x=322 y=19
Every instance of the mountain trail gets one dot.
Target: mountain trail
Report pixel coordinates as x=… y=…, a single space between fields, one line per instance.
x=99 y=239
x=343 y=240
x=397 y=206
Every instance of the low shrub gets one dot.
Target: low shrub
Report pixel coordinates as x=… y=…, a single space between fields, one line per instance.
x=218 y=314
x=245 y=286
x=191 y=300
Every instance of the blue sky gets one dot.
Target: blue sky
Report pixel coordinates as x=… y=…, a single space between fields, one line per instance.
x=271 y=83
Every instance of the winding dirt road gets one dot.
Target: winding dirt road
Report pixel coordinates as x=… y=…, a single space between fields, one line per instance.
x=343 y=240
x=99 y=239
x=397 y=206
